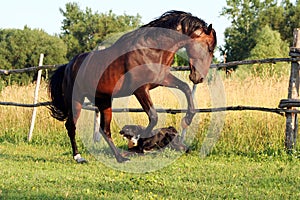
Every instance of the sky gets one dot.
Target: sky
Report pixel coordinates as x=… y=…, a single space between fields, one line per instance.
x=45 y=14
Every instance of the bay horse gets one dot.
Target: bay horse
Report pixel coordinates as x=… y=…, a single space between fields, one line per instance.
x=136 y=63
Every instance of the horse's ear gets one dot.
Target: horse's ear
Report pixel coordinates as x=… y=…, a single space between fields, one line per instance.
x=209 y=29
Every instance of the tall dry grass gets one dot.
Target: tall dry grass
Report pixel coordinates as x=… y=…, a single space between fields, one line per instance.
x=253 y=131
x=244 y=132
x=15 y=121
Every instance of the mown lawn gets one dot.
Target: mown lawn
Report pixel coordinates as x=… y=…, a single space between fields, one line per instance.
x=31 y=171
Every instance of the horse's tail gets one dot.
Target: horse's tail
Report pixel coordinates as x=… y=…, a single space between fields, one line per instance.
x=58 y=108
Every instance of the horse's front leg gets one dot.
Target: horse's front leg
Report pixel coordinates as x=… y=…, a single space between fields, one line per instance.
x=143 y=96
x=174 y=82
x=106 y=116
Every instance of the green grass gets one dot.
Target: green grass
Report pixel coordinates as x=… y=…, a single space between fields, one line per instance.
x=48 y=172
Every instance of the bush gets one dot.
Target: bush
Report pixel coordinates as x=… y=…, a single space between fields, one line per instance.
x=22 y=48
x=268 y=45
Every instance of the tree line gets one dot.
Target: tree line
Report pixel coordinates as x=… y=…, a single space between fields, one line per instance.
x=258 y=29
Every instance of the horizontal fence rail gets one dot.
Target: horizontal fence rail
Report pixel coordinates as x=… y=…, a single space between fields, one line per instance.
x=279 y=111
x=179 y=68
x=29 y=69
x=88 y=106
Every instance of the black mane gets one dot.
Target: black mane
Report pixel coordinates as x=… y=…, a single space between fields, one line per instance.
x=172 y=19
x=181 y=21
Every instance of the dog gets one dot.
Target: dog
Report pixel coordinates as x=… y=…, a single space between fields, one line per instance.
x=159 y=139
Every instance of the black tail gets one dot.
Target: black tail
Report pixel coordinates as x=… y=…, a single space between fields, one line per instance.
x=58 y=108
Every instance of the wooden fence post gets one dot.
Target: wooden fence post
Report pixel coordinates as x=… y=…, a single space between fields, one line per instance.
x=293 y=94
x=36 y=96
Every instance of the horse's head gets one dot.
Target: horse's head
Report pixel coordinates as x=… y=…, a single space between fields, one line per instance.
x=200 y=50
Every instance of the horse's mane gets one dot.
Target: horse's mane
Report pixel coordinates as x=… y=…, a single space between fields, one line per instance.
x=172 y=19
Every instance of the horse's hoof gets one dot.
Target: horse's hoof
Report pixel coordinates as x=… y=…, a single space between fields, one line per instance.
x=187 y=150
x=128 y=153
x=122 y=159
x=79 y=159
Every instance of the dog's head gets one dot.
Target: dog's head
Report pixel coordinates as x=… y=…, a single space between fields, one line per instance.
x=132 y=134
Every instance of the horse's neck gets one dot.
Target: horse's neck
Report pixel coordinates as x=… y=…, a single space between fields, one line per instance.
x=157 y=43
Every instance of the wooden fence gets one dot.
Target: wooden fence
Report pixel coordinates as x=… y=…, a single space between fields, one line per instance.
x=287 y=107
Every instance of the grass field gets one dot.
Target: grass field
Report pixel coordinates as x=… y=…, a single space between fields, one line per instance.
x=48 y=172
x=248 y=160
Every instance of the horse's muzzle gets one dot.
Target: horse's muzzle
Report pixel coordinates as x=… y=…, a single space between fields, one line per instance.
x=196 y=78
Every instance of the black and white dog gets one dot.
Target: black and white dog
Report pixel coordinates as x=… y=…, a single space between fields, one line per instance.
x=159 y=139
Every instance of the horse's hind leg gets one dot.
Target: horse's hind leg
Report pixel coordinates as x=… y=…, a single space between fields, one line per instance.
x=71 y=128
x=106 y=116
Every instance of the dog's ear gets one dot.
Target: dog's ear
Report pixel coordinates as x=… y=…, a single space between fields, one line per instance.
x=124 y=129
x=172 y=129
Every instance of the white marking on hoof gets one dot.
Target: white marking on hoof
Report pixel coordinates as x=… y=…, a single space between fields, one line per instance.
x=79 y=159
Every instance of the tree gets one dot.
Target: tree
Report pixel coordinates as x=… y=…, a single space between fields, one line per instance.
x=283 y=18
x=83 y=30
x=248 y=17
x=181 y=58
x=238 y=37
x=268 y=44
x=291 y=20
x=22 y=48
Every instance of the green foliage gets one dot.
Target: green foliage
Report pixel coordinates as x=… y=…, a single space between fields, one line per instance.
x=291 y=20
x=110 y=39
x=269 y=45
x=248 y=17
x=238 y=40
x=83 y=30
x=22 y=49
x=282 y=17
x=181 y=58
